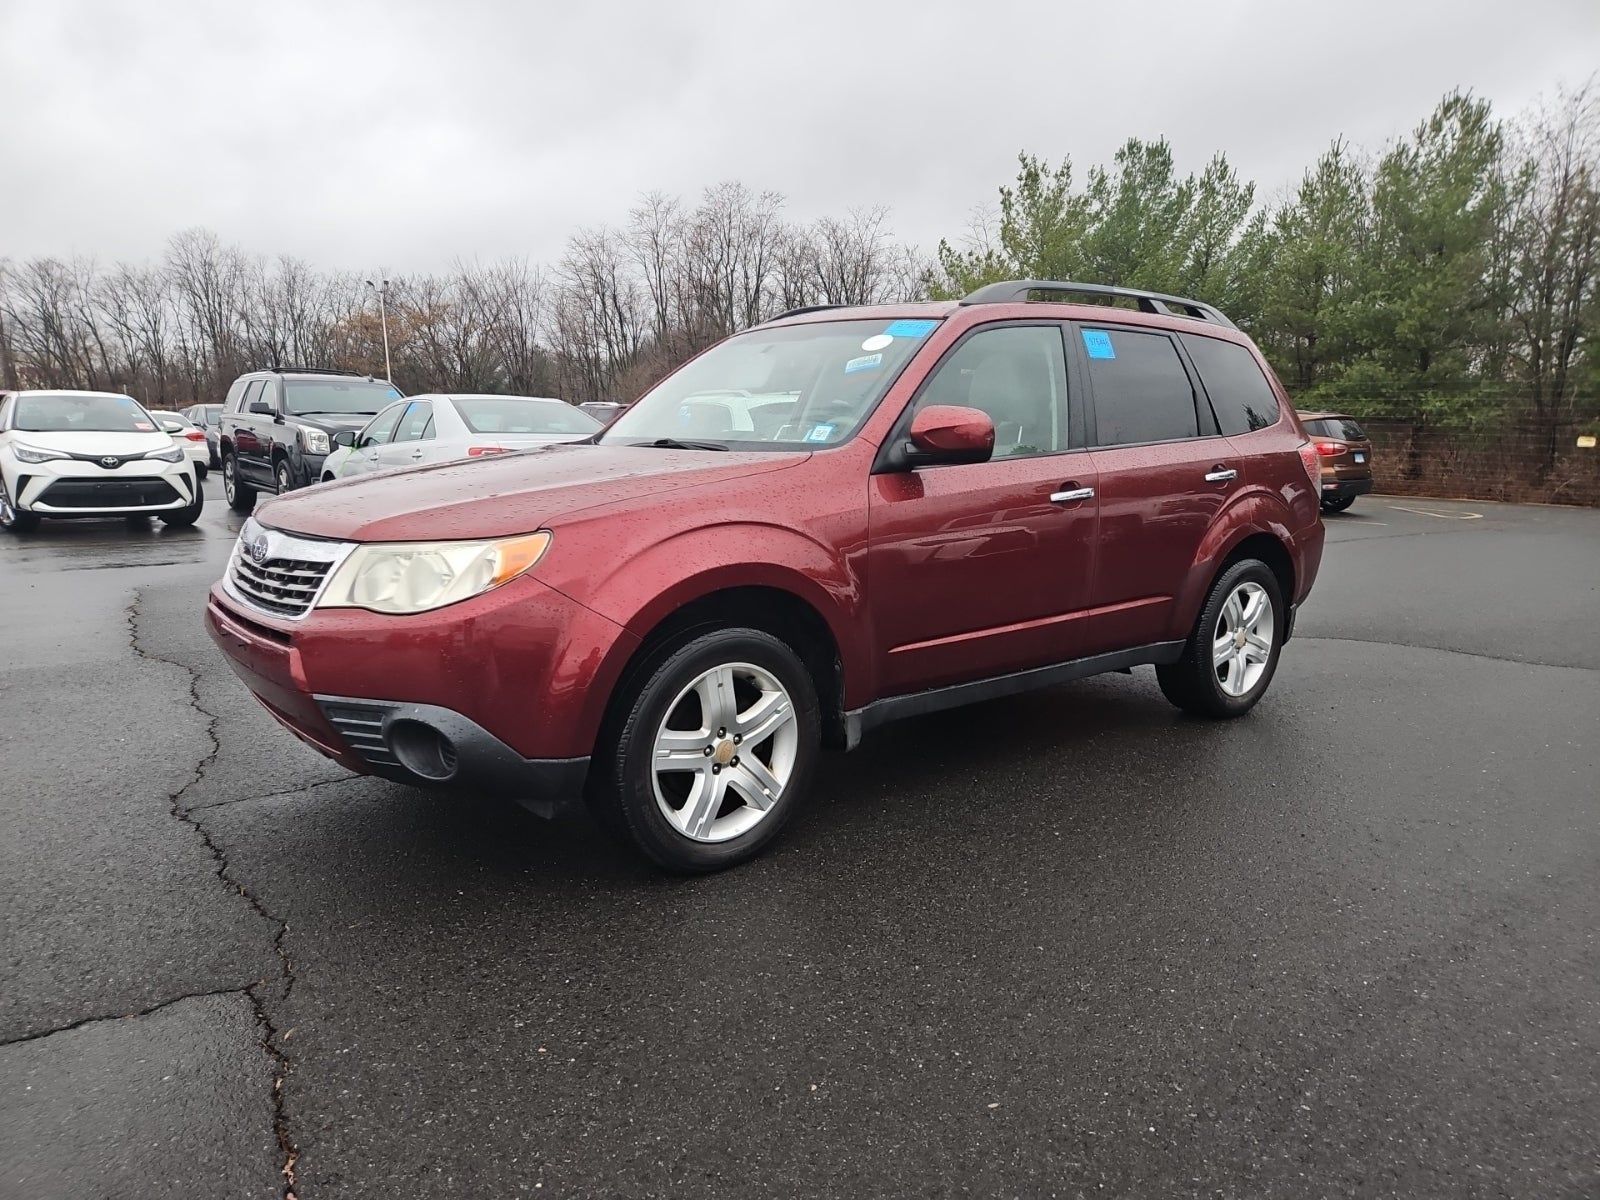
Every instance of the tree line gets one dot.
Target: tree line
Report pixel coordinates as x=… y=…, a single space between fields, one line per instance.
x=1449 y=276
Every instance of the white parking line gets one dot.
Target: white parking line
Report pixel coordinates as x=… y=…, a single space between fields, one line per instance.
x=1471 y=516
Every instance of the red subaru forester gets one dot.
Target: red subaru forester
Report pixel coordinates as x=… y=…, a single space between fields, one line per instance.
x=836 y=519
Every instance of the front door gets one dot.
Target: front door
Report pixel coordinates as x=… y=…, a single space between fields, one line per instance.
x=1165 y=472
x=252 y=436
x=409 y=446
x=981 y=569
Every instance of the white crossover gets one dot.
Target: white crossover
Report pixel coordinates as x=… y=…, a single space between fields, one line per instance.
x=190 y=436
x=90 y=454
x=441 y=428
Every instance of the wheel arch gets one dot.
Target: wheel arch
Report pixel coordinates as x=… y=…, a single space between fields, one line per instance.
x=1252 y=528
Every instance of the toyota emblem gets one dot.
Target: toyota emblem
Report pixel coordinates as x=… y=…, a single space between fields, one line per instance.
x=110 y=462
x=257 y=548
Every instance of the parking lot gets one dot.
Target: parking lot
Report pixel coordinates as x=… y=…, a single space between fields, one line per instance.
x=1070 y=943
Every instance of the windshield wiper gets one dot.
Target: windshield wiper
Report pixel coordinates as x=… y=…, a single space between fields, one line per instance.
x=678 y=444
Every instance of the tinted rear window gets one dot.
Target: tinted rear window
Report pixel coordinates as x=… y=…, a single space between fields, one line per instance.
x=1141 y=391
x=1240 y=394
x=513 y=414
x=1336 y=427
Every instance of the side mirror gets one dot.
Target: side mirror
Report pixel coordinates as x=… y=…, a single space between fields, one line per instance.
x=946 y=433
x=261 y=408
x=345 y=437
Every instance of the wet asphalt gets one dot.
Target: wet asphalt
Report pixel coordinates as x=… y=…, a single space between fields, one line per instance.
x=1067 y=944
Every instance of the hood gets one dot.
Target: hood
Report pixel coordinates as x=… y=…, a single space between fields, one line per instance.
x=503 y=494
x=124 y=445
x=333 y=422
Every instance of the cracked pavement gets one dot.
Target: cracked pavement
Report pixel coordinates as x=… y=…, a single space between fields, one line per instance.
x=1061 y=944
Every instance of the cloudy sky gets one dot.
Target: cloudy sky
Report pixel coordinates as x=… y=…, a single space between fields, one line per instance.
x=408 y=134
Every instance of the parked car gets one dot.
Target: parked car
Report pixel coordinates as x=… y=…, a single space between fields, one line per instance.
x=209 y=418
x=1345 y=453
x=278 y=426
x=188 y=435
x=967 y=500
x=603 y=411
x=438 y=428
x=90 y=454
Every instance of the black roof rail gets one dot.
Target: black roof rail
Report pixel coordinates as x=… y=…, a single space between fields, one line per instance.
x=289 y=369
x=1013 y=291
x=805 y=308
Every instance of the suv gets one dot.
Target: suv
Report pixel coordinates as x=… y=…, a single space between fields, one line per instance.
x=278 y=425
x=1346 y=456
x=673 y=618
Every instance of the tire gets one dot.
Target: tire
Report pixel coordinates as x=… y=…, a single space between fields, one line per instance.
x=1339 y=505
x=707 y=815
x=1198 y=682
x=12 y=519
x=283 y=476
x=182 y=518
x=201 y=470
x=241 y=496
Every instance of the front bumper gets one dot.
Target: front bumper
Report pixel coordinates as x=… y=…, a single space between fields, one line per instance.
x=73 y=488
x=502 y=693
x=1341 y=489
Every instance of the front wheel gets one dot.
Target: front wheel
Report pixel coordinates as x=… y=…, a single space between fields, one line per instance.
x=713 y=753
x=13 y=519
x=284 y=477
x=182 y=518
x=241 y=496
x=1230 y=657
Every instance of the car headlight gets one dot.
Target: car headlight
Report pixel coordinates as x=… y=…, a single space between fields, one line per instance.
x=413 y=577
x=33 y=454
x=314 y=441
x=172 y=453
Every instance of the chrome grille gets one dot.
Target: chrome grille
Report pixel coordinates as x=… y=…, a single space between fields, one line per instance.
x=278 y=573
x=284 y=586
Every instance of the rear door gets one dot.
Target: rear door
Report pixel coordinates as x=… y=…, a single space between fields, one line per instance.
x=980 y=569
x=252 y=436
x=1165 y=471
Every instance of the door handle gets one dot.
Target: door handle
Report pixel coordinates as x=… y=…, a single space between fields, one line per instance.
x=1221 y=475
x=416 y=454
x=1072 y=494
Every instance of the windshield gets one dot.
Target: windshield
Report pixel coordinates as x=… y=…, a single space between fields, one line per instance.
x=790 y=388
x=63 y=412
x=519 y=414
x=358 y=396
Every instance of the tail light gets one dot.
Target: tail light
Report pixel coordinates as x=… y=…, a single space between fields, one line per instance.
x=1310 y=459
x=1331 y=449
x=194 y=435
x=480 y=451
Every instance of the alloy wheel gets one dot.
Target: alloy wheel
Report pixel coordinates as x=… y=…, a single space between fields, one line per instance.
x=228 y=480
x=724 y=752
x=1241 y=646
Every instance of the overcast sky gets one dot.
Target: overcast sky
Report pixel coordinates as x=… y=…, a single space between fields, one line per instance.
x=409 y=134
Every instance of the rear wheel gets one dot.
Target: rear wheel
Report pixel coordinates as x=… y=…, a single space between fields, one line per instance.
x=1230 y=658
x=13 y=519
x=1339 y=504
x=713 y=754
x=241 y=496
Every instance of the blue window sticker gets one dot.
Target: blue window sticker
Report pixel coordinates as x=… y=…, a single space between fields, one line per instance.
x=865 y=363
x=911 y=329
x=820 y=433
x=1098 y=343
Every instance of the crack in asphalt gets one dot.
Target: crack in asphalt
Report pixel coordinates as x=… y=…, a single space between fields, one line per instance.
x=142 y=1012
x=1521 y=662
x=289 y=794
x=270 y=1038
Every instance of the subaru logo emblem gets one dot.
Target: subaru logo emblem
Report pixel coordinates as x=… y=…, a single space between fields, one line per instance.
x=257 y=549
x=110 y=463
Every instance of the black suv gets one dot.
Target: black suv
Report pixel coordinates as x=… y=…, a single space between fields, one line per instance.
x=278 y=426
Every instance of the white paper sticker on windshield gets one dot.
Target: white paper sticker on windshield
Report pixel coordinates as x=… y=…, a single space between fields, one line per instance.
x=877 y=342
x=865 y=363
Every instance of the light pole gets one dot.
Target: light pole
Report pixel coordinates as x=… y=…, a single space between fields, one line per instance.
x=383 y=316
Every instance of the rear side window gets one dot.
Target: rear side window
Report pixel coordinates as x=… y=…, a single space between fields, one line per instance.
x=1336 y=427
x=1141 y=390
x=1240 y=394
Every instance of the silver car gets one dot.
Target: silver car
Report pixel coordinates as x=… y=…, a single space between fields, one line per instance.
x=439 y=428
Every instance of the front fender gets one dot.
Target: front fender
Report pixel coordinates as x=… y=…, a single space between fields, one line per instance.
x=659 y=580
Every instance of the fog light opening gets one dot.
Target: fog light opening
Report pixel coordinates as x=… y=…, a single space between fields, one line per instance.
x=423 y=750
